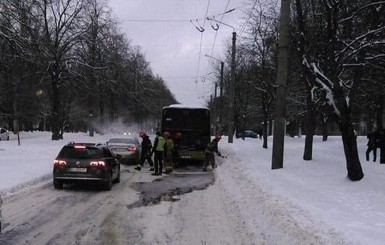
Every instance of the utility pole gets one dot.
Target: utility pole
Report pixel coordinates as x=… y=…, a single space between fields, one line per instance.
x=282 y=74
x=215 y=109
x=230 y=131
x=221 y=99
x=221 y=82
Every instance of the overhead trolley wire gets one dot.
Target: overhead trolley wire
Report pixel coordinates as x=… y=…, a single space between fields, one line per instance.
x=157 y=20
x=179 y=20
x=216 y=28
x=215 y=38
x=200 y=45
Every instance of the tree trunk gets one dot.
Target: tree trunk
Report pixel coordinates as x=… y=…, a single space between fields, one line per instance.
x=308 y=152
x=101 y=107
x=55 y=119
x=15 y=108
x=353 y=164
x=265 y=129
x=325 y=133
x=379 y=112
x=310 y=122
x=310 y=125
x=243 y=127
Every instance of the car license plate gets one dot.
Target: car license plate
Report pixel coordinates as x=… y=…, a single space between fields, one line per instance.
x=78 y=170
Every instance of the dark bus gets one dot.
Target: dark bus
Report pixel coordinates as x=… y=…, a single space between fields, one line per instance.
x=189 y=127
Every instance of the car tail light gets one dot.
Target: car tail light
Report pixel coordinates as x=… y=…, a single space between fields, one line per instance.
x=98 y=164
x=59 y=163
x=132 y=148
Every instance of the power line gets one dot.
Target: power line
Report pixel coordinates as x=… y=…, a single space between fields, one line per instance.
x=197 y=23
x=200 y=45
x=155 y=20
x=216 y=33
x=181 y=77
x=181 y=20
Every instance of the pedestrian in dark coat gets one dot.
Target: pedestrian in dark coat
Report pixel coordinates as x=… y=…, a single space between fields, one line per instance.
x=146 y=152
x=373 y=143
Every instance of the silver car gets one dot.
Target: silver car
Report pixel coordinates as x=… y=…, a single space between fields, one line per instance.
x=129 y=148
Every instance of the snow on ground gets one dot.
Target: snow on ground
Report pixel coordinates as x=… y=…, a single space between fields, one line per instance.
x=317 y=192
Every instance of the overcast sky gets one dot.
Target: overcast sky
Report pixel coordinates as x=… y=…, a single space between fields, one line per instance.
x=172 y=44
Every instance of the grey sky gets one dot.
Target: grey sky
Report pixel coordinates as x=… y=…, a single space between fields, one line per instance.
x=171 y=43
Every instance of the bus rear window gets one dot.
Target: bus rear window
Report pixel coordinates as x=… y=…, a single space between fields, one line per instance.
x=186 y=119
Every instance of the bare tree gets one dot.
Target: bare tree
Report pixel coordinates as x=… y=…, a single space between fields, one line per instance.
x=62 y=59
x=312 y=100
x=332 y=66
x=17 y=28
x=261 y=45
x=61 y=31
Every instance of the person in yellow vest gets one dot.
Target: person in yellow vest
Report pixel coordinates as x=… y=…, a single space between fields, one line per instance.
x=158 y=149
x=168 y=155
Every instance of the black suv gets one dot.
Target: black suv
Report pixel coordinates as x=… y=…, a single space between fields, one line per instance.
x=86 y=162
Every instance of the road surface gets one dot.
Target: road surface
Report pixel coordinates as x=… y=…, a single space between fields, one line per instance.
x=186 y=207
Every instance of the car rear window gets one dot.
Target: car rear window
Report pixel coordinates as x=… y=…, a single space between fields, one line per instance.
x=124 y=141
x=82 y=153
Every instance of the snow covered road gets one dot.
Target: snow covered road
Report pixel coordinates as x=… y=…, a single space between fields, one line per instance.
x=216 y=215
x=243 y=202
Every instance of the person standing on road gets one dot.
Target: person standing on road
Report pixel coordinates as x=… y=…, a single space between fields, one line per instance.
x=168 y=161
x=209 y=152
x=373 y=143
x=146 y=152
x=159 y=145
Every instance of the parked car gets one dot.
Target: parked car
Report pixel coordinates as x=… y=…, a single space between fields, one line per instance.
x=1 y=216
x=4 y=134
x=86 y=162
x=129 y=148
x=247 y=134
